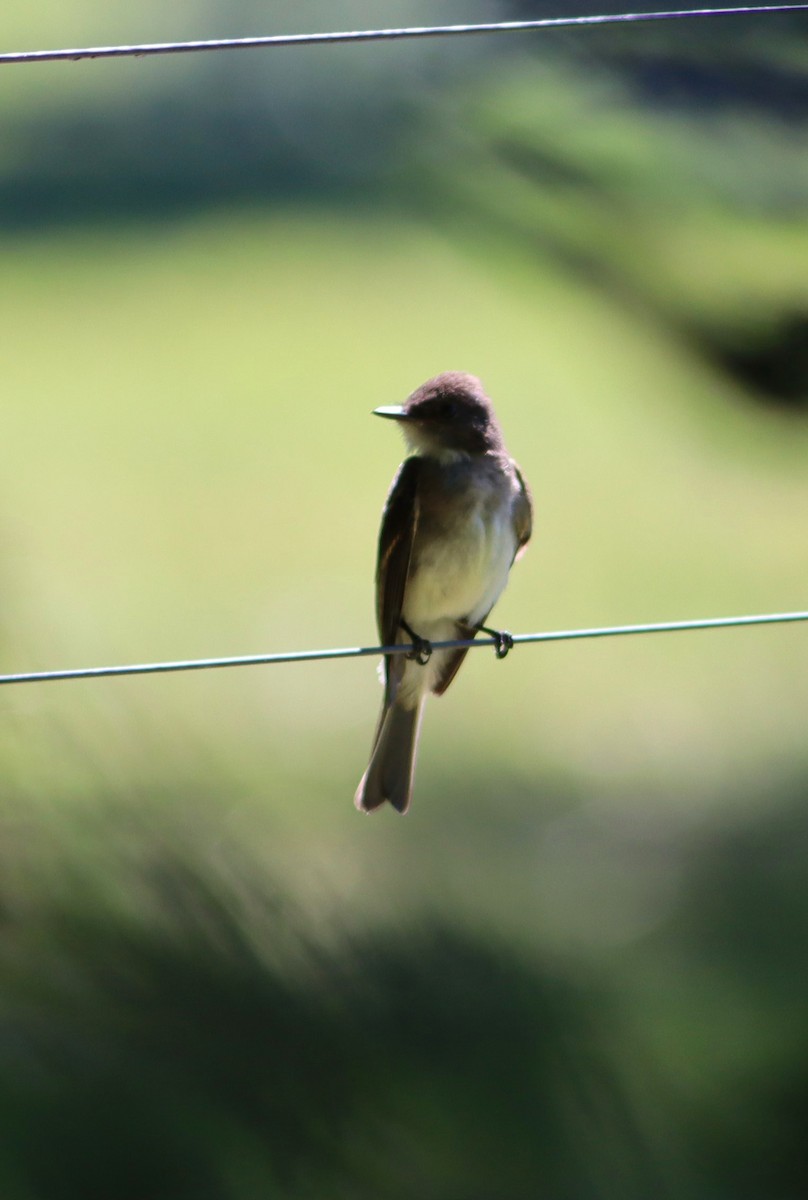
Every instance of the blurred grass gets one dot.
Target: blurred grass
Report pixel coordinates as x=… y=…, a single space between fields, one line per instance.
x=192 y=471
x=178 y=1030
x=172 y=1023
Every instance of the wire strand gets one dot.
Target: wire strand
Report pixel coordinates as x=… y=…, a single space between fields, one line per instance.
x=377 y=35
x=293 y=656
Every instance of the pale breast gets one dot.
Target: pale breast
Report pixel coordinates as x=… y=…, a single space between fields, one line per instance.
x=464 y=546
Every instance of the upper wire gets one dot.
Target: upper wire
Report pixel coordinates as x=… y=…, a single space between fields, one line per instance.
x=376 y=35
x=254 y=660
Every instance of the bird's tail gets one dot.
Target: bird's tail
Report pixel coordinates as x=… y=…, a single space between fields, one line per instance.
x=392 y=762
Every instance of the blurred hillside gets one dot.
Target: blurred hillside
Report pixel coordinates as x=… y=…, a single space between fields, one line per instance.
x=591 y=140
x=576 y=968
x=137 y=138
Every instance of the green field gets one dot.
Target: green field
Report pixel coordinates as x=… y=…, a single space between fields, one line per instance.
x=192 y=470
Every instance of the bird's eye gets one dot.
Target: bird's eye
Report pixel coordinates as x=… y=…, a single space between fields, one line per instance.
x=446 y=409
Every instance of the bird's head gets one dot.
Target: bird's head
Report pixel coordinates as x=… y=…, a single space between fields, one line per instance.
x=447 y=416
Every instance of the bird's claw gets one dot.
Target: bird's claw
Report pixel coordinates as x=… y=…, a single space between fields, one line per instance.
x=421 y=649
x=503 y=642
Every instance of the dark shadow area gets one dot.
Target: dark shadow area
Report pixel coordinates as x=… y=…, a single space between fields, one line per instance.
x=699 y=66
x=769 y=359
x=160 y=161
x=173 y=1029
x=197 y=1041
x=744 y=928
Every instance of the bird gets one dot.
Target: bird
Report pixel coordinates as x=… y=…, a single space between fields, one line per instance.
x=457 y=516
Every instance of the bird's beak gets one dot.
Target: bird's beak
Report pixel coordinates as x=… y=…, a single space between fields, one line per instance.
x=395 y=412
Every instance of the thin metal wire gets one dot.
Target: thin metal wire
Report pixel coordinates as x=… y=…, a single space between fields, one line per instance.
x=376 y=35
x=254 y=660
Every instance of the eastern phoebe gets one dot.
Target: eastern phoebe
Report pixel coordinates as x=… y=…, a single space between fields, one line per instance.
x=457 y=515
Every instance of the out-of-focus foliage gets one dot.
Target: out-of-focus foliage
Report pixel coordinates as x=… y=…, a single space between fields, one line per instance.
x=170 y=1028
x=600 y=147
x=173 y=1027
x=154 y=137
x=620 y=157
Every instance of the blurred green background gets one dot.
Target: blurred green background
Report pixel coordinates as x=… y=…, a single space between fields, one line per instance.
x=577 y=968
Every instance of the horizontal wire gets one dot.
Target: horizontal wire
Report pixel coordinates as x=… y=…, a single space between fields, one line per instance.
x=292 y=656
x=376 y=35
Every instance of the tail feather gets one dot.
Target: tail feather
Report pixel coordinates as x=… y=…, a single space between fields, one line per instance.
x=392 y=763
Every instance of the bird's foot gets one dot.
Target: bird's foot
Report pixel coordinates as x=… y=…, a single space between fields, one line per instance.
x=421 y=649
x=503 y=642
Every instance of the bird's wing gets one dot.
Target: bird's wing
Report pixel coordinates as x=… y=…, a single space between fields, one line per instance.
x=522 y=514
x=399 y=522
